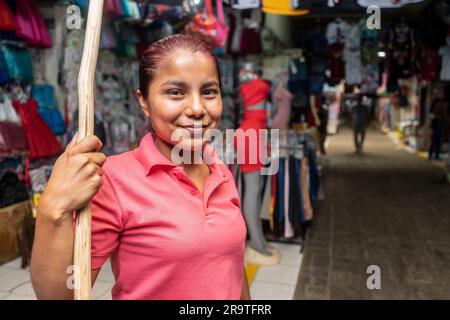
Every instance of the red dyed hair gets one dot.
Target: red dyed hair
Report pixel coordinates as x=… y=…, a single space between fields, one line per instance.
x=158 y=50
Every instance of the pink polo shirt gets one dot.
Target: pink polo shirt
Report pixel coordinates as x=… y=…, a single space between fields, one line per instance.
x=166 y=240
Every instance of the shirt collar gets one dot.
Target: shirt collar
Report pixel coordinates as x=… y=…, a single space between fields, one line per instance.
x=151 y=158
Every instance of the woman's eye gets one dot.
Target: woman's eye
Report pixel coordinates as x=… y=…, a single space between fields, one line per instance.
x=210 y=92
x=175 y=93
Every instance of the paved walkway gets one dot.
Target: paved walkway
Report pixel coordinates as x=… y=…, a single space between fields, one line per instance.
x=387 y=208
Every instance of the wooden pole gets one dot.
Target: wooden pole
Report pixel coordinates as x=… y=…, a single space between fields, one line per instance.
x=82 y=245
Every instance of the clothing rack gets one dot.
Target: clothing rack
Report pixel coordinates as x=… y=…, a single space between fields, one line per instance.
x=295 y=146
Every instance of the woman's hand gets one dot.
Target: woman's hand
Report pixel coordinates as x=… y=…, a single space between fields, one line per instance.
x=76 y=177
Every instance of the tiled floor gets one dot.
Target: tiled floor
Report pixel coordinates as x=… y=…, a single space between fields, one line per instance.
x=278 y=282
x=271 y=283
x=15 y=283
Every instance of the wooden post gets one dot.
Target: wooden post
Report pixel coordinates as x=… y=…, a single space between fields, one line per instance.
x=82 y=246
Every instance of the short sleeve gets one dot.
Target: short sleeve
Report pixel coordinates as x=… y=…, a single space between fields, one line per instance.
x=106 y=223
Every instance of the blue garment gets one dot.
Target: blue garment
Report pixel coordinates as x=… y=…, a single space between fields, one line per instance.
x=18 y=62
x=279 y=203
x=4 y=77
x=318 y=43
x=298 y=70
x=314 y=177
x=317 y=74
x=83 y=4
x=125 y=8
x=44 y=95
x=296 y=205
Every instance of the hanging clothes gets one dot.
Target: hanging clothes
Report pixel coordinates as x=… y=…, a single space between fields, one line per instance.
x=253 y=93
x=282 y=98
x=370 y=71
x=7 y=20
x=13 y=190
x=352 y=54
x=335 y=50
x=296 y=212
x=288 y=229
x=445 y=68
x=306 y=200
x=45 y=97
x=42 y=142
x=429 y=62
x=13 y=141
x=402 y=55
x=18 y=61
x=32 y=26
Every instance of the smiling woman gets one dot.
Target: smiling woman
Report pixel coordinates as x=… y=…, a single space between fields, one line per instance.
x=191 y=248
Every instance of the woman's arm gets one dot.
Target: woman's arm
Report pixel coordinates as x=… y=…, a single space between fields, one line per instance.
x=51 y=278
x=75 y=179
x=245 y=294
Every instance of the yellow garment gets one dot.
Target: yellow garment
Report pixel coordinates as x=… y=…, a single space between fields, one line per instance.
x=282 y=7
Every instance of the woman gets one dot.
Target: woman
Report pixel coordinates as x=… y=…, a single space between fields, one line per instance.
x=171 y=231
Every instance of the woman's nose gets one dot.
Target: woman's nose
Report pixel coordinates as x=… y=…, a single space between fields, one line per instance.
x=195 y=108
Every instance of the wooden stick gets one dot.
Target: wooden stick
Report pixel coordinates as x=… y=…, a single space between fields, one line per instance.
x=82 y=246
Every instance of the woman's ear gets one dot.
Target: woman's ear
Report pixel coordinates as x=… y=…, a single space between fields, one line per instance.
x=143 y=103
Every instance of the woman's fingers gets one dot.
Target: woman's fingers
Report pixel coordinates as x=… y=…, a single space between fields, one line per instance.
x=89 y=144
x=72 y=142
x=97 y=158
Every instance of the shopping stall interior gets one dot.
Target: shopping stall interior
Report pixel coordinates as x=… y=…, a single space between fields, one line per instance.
x=358 y=93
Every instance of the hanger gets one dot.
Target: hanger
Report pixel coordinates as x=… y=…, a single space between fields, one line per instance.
x=18 y=93
x=247 y=76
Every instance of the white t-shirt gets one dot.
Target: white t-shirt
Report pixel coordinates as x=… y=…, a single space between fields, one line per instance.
x=353 y=66
x=352 y=54
x=335 y=31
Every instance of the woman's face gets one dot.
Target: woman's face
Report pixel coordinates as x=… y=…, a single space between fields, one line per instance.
x=184 y=98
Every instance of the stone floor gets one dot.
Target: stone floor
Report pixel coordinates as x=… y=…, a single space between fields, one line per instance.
x=387 y=208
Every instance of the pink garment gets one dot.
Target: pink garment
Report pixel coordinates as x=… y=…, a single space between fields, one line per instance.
x=162 y=248
x=113 y=8
x=283 y=101
x=31 y=24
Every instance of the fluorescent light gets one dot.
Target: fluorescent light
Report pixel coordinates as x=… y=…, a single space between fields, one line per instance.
x=382 y=54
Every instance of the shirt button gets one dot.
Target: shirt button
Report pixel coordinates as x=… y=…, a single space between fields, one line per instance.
x=193 y=192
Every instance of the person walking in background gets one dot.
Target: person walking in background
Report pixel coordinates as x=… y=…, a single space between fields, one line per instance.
x=439 y=114
x=359 y=118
